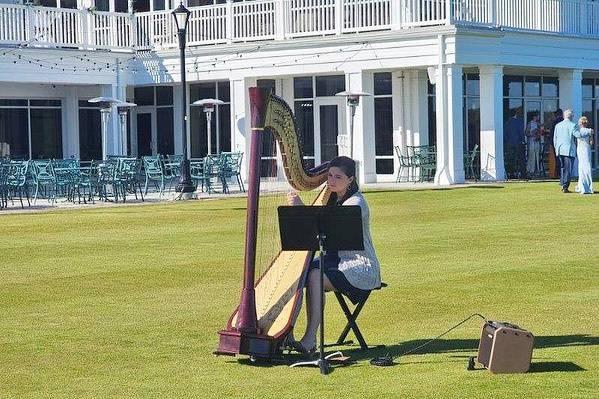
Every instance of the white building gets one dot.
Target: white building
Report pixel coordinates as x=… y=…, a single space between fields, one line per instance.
x=487 y=58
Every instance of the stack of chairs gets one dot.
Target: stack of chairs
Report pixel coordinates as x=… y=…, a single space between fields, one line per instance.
x=418 y=164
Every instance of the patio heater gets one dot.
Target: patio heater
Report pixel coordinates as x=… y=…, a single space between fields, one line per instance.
x=209 y=105
x=185 y=187
x=123 y=108
x=105 y=104
x=353 y=100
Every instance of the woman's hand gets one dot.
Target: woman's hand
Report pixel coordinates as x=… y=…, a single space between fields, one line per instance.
x=293 y=199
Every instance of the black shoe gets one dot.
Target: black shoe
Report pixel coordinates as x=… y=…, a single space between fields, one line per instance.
x=566 y=191
x=299 y=348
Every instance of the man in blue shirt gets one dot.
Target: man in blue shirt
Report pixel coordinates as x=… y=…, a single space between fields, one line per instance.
x=513 y=145
x=565 y=148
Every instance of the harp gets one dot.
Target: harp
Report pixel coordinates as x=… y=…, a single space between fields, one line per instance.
x=268 y=306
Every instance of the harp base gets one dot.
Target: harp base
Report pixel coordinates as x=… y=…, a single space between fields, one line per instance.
x=233 y=342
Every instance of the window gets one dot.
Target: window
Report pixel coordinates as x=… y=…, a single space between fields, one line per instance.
x=220 y=126
x=532 y=86
x=512 y=86
x=304 y=117
x=161 y=99
x=382 y=84
x=90 y=132
x=31 y=128
x=383 y=123
x=302 y=87
x=540 y=95
x=164 y=95
x=432 y=115
x=14 y=132
x=143 y=96
x=329 y=85
x=471 y=111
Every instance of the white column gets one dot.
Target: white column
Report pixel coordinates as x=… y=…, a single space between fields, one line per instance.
x=418 y=115
x=364 y=149
x=450 y=129
x=570 y=97
x=570 y=91
x=70 y=142
x=113 y=128
x=491 y=123
x=240 y=118
x=397 y=79
x=455 y=119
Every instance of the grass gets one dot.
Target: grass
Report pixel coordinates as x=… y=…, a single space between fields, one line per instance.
x=126 y=302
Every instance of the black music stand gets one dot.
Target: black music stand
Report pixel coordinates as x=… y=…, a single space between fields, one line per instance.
x=320 y=228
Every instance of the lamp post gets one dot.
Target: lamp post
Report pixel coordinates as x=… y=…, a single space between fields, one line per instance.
x=353 y=100
x=208 y=104
x=123 y=108
x=185 y=186
x=105 y=104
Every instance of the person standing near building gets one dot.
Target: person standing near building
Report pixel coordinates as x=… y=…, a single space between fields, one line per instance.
x=513 y=144
x=584 y=141
x=553 y=165
x=533 y=136
x=565 y=148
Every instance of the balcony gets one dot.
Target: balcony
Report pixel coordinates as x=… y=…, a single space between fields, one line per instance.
x=285 y=20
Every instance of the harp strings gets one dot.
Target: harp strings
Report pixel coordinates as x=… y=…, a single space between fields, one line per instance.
x=275 y=282
x=272 y=194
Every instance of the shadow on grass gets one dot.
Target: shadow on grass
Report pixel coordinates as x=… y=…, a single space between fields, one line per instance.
x=463 y=345
x=456 y=346
x=547 y=367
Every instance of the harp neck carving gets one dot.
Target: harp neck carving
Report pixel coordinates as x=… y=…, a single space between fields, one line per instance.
x=271 y=113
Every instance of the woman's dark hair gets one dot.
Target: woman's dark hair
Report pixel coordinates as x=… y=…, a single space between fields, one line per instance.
x=348 y=166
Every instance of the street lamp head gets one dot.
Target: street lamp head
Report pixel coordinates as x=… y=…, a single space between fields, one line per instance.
x=181 y=15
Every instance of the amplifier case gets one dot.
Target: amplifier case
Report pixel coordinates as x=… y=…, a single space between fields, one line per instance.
x=505 y=348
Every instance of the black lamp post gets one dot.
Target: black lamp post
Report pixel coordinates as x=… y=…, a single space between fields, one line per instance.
x=181 y=15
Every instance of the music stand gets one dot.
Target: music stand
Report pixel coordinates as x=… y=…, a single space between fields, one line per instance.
x=320 y=228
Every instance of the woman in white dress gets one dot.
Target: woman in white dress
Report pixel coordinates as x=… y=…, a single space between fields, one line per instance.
x=584 y=141
x=533 y=146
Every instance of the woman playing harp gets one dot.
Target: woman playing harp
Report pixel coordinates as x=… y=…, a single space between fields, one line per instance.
x=352 y=273
x=267 y=308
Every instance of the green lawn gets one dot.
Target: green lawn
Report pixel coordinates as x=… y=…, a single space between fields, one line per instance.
x=126 y=302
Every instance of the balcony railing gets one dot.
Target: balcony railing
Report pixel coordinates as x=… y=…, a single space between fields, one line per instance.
x=285 y=19
x=61 y=27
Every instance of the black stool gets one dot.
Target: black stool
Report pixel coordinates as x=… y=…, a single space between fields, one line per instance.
x=351 y=320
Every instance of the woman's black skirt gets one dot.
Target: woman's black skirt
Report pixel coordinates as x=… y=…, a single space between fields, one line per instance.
x=338 y=279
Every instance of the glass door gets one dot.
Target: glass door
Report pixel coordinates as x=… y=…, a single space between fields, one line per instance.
x=330 y=136
x=146 y=133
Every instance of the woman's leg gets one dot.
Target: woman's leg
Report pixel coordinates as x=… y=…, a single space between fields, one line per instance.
x=313 y=306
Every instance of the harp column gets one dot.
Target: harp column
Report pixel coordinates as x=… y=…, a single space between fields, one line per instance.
x=363 y=129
